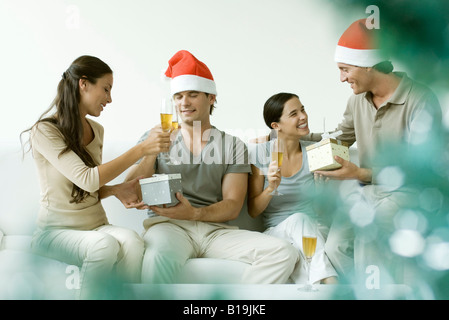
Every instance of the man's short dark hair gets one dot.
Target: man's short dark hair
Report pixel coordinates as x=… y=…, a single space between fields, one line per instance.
x=384 y=67
x=212 y=107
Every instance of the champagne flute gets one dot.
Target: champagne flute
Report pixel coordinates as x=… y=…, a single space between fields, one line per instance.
x=174 y=120
x=166 y=121
x=277 y=154
x=309 y=240
x=174 y=126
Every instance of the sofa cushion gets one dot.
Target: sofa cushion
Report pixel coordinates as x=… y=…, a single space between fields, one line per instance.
x=20 y=200
x=16 y=242
x=27 y=276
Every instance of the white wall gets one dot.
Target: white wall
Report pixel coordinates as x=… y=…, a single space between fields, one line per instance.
x=254 y=49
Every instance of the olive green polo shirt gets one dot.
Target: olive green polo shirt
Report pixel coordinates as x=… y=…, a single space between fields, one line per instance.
x=410 y=114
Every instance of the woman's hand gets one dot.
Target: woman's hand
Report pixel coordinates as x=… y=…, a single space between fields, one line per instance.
x=129 y=193
x=273 y=176
x=157 y=141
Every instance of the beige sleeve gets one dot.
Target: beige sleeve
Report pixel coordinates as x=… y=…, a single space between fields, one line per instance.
x=347 y=124
x=49 y=142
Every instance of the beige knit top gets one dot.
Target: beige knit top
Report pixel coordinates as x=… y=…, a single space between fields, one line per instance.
x=57 y=174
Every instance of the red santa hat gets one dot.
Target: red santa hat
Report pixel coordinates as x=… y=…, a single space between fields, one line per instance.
x=358 y=46
x=188 y=73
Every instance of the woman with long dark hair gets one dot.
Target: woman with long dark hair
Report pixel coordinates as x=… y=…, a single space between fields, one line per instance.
x=284 y=214
x=72 y=225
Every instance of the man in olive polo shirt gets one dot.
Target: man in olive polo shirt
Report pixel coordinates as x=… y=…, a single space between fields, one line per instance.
x=386 y=108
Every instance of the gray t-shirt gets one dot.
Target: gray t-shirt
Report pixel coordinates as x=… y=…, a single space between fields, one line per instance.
x=298 y=191
x=202 y=175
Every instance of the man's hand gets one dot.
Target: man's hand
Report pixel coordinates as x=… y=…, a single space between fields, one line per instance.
x=234 y=188
x=181 y=211
x=348 y=170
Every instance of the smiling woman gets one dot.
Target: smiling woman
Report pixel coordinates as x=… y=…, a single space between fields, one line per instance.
x=95 y=95
x=285 y=213
x=67 y=148
x=73 y=102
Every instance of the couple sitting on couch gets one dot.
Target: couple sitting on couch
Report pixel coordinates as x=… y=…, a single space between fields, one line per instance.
x=73 y=227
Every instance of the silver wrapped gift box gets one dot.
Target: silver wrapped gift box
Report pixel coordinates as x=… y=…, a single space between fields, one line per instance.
x=161 y=189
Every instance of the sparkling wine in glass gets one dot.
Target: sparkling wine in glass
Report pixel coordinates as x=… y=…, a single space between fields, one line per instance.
x=277 y=154
x=166 y=121
x=309 y=239
x=174 y=120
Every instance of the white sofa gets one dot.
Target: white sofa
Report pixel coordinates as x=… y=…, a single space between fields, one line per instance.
x=24 y=275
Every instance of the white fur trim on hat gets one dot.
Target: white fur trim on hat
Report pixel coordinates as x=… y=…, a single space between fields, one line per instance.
x=358 y=57
x=190 y=82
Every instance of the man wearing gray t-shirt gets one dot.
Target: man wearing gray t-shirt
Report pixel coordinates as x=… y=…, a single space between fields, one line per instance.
x=214 y=170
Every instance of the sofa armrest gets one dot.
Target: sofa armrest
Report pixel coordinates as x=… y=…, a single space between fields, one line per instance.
x=16 y=243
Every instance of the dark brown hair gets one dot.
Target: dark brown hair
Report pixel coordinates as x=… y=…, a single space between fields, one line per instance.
x=384 y=67
x=212 y=106
x=67 y=116
x=274 y=106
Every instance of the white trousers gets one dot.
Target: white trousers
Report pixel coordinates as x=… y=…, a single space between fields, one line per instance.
x=97 y=252
x=359 y=236
x=291 y=230
x=170 y=243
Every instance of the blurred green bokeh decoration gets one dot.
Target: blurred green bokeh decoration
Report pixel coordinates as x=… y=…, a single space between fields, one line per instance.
x=416 y=35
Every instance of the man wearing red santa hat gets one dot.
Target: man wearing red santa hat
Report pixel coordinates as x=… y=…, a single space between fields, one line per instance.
x=214 y=170
x=387 y=108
